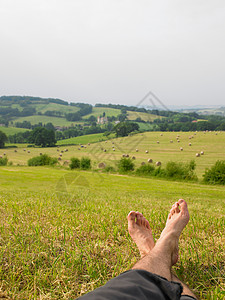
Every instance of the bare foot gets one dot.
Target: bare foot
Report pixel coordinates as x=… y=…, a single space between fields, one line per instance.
x=176 y=221
x=140 y=231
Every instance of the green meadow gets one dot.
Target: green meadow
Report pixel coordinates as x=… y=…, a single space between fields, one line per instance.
x=64 y=233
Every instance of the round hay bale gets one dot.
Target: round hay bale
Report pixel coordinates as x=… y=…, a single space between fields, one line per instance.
x=189 y=144
x=181 y=149
x=127 y=155
x=104 y=150
x=171 y=141
x=40 y=153
x=113 y=149
x=102 y=165
x=24 y=149
x=197 y=154
x=143 y=163
x=60 y=154
x=62 y=151
x=15 y=150
x=66 y=162
x=158 y=163
x=161 y=134
x=28 y=151
x=58 y=150
x=133 y=157
x=178 y=141
x=59 y=158
x=146 y=151
x=124 y=155
x=89 y=144
x=0 y=156
x=202 y=152
x=4 y=153
x=137 y=150
x=157 y=142
x=150 y=161
x=78 y=148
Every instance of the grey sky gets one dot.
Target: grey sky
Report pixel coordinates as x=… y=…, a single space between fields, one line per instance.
x=114 y=50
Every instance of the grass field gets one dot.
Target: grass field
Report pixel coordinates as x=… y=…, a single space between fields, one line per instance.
x=64 y=233
x=12 y=130
x=211 y=143
x=133 y=115
x=44 y=120
x=85 y=139
x=109 y=112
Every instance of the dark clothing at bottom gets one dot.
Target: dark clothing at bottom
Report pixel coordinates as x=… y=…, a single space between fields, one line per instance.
x=138 y=285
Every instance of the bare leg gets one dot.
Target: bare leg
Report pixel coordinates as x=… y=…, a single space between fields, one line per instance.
x=165 y=253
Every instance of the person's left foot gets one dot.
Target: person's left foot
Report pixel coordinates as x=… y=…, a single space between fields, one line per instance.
x=140 y=231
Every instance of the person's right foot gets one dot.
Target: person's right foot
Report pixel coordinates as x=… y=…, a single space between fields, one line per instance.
x=177 y=220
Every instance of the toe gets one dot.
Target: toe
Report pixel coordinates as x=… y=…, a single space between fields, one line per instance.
x=183 y=205
x=177 y=210
x=138 y=217
x=131 y=216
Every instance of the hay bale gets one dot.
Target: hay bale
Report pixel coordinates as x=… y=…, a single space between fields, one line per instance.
x=58 y=150
x=171 y=141
x=158 y=163
x=104 y=150
x=66 y=162
x=157 y=142
x=189 y=144
x=137 y=150
x=124 y=155
x=127 y=155
x=62 y=151
x=143 y=163
x=146 y=151
x=40 y=153
x=24 y=149
x=197 y=154
x=28 y=151
x=113 y=149
x=178 y=141
x=15 y=150
x=4 y=153
x=161 y=134
x=60 y=154
x=133 y=157
x=102 y=165
x=181 y=149
x=0 y=156
x=59 y=158
x=150 y=160
x=202 y=152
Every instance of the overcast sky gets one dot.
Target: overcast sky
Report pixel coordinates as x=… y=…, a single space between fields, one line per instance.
x=114 y=51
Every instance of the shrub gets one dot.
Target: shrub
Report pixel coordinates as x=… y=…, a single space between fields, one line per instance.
x=75 y=163
x=3 y=161
x=125 y=165
x=179 y=170
x=215 y=175
x=109 y=169
x=145 y=170
x=85 y=163
x=42 y=160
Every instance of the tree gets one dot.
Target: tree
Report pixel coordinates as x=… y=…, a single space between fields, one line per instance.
x=43 y=137
x=124 y=128
x=3 y=139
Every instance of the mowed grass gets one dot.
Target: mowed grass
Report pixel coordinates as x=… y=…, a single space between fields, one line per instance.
x=133 y=115
x=44 y=120
x=12 y=130
x=64 y=233
x=213 y=145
